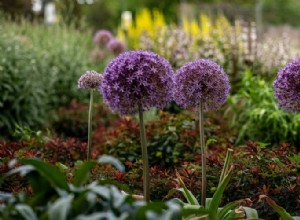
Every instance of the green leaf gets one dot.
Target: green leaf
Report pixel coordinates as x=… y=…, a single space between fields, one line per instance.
x=189 y=210
x=49 y=172
x=26 y=212
x=94 y=216
x=83 y=172
x=106 y=159
x=281 y=211
x=213 y=208
x=187 y=193
x=60 y=208
x=250 y=213
x=228 y=207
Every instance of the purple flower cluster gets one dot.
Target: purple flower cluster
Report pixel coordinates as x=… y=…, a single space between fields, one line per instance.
x=90 y=80
x=102 y=37
x=116 y=46
x=201 y=80
x=137 y=78
x=287 y=86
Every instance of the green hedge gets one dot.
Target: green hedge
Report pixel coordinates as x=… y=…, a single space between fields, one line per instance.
x=39 y=69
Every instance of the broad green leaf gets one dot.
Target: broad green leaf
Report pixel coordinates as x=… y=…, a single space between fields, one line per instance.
x=141 y=213
x=106 y=159
x=228 y=207
x=189 y=210
x=83 y=172
x=187 y=193
x=213 y=208
x=281 y=211
x=207 y=202
x=60 y=208
x=49 y=172
x=26 y=212
x=94 y=216
x=250 y=213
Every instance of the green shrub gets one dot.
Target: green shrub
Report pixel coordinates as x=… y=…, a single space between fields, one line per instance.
x=256 y=115
x=24 y=95
x=39 y=69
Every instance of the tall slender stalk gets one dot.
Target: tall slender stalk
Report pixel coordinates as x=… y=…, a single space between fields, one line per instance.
x=203 y=153
x=146 y=177
x=89 y=149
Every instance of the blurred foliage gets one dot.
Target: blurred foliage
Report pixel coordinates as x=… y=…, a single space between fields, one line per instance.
x=256 y=115
x=53 y=198
x=72 y=121
x=39 y=67
x=16 y=8
x=69 y=11
x=281 y=12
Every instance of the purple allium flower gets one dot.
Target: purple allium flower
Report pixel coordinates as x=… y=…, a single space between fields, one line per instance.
x=102 y=37
x=116 y=46
x=287 y=86
x=137 y=77
x=201 y=79
x=90 y=80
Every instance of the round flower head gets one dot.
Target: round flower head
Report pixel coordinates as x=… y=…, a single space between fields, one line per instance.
x=102 y=37
x=90 y=80
x=137 y=78
x=201 y=80
x=287 y=86
x=116 y=46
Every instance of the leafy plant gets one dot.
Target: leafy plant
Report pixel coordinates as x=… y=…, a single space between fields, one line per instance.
x=211 y=210
x=256 y=115
x=38 y=67
x=53 y=198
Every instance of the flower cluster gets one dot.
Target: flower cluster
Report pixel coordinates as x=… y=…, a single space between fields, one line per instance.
x=106 y=45
x=116 y=46
x=137 y=78
x=102 y=37
x=90 y=80
x=201 y=80
x=287 y=86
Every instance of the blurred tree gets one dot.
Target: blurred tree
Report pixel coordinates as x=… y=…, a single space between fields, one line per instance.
x=103 y=14
x=16 y=8
x=69 y=11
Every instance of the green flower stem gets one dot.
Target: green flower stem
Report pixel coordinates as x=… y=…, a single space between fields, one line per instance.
x=227 y=163
x=203 y=153
x=89 y=149
x=146 y=177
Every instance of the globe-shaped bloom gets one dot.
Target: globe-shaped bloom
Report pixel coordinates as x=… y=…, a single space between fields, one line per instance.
x=137 y=78
x=102 y=37
x=116 y=46
x=287 y=86
x=90 y=80
x=201 y=80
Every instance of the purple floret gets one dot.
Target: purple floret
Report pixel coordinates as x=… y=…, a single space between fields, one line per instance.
x=102 y=37
x=90 y=80
x=201 y=80
x=287 y=86
x=137 y=78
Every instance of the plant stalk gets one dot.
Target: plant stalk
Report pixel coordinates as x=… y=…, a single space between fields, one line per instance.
x=203 y=153
x=146 y=177
x=227 y=163
x=89 y=149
